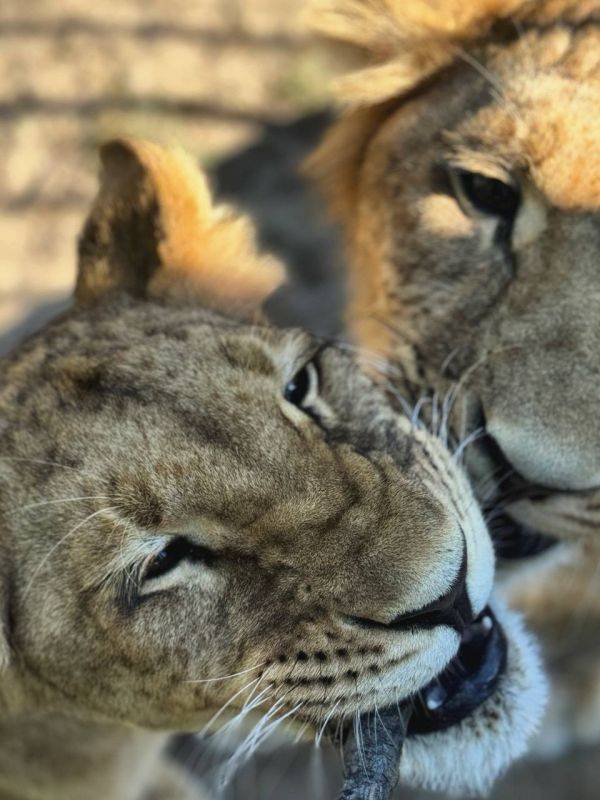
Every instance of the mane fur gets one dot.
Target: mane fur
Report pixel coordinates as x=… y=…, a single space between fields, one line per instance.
x=406 y=41
x=403 y=44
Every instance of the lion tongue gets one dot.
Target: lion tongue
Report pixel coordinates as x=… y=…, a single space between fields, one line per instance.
x=372 y=755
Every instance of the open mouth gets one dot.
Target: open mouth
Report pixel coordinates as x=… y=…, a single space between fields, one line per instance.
x=461 y=730
x=468 y=681
x=513 y=540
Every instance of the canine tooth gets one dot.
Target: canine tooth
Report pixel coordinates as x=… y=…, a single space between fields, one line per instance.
x=487 y=623
x=435 y=698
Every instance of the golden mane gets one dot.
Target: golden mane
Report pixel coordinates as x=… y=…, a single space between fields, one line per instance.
x=407 y=41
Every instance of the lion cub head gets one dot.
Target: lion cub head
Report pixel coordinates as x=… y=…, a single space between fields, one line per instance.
x=199 y=510
x=467 y=175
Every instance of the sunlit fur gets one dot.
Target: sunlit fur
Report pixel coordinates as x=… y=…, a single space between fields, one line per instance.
x=510 y=90
x=140 y=416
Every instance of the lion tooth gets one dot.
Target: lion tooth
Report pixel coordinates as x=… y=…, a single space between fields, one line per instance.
x=435 y=697
x=487 y=623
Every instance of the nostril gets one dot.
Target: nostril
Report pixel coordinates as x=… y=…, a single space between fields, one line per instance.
x=453 y=608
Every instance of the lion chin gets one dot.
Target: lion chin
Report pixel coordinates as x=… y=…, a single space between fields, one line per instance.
x=466 y=757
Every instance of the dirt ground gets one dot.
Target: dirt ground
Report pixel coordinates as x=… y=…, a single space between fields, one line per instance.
x=226 y=79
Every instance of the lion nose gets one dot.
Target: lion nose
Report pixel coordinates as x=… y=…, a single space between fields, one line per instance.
x=453 y=609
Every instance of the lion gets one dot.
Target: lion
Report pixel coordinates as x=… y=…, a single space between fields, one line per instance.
x=203 y=514
x=465 y=172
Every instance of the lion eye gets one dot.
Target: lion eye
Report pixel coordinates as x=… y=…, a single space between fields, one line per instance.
x=178 y=550
x=303 y=387
x=487 y=195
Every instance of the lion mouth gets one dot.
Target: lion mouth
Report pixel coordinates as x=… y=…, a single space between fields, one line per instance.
x=463 y=729
x=467 y=682
x=516 y=541
x=469 y=679
x=513 y=540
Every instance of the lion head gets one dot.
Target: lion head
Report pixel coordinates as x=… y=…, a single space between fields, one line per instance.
x=466 y=173
x=199 y=510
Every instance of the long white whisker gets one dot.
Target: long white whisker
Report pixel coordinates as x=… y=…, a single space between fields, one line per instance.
x=248 y=707
x=435 y=414
x=258 y=735
x=216 y=716
x=59 y=501
x=319 y=736
x=359 y=742
x=277 y=722
x=252 y=702
x=61 y=541
x=476 y=434
x=248 y=745
x=44 y=463
x=494 y=82
x=417 y=410
x=194 y=760
x=226 y=677
x=300 y=733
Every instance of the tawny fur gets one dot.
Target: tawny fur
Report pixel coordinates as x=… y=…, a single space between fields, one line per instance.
x=508 y=90
x=142 y=416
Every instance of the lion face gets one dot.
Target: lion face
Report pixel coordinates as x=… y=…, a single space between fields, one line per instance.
x=233 y=500
x=472 y=211
x=201 y=512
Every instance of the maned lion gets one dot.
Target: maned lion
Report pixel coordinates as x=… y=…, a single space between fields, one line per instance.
x=466 y=174
x=198 y=512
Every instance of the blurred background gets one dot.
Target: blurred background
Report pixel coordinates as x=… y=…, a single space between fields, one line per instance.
x=214 y=76
x=240 y=84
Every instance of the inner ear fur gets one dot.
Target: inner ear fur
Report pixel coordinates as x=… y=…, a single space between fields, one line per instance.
x=154 y=232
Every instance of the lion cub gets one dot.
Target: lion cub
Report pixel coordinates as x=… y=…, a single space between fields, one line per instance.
x=198 y=510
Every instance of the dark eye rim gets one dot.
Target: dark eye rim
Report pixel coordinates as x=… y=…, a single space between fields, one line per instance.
x=174 y=553
x=297 y=389
x=486 y=194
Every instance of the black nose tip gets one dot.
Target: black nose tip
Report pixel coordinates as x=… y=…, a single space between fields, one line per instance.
x=453 y=608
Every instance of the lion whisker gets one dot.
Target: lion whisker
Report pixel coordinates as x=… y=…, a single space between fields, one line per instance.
x=300 y=732
x=60 y=542
x=226 y=677
x=468 y=440
x=58 y=502
x=493 y=81
x=226 y=705
x=319 y=736
x=257 y=735
x=45 y=463
x=359 y=741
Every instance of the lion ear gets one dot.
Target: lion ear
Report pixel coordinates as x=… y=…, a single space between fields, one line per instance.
x=154 y=232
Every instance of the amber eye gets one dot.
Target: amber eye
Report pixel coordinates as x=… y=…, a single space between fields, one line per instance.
x=303 y=387
x=178 y=550
x=487 y=195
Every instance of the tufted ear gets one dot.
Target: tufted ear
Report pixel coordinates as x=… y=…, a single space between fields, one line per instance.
x=154 y=232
